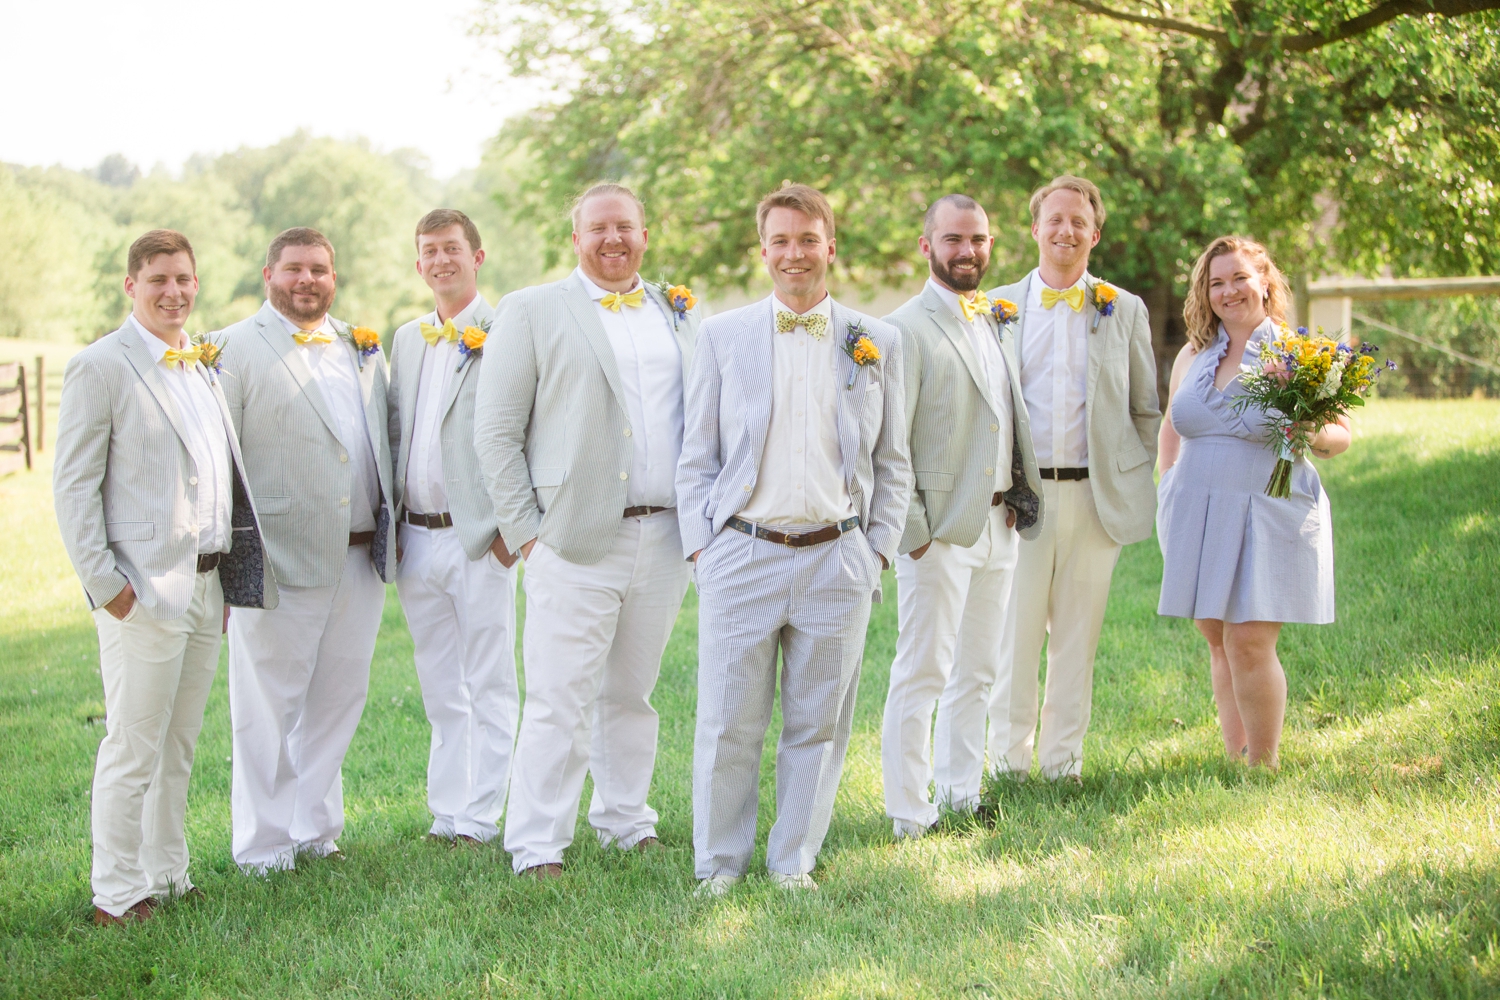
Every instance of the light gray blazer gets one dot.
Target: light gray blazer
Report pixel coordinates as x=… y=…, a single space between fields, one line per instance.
x=953 y=424
x=1123 y=413
x=124 y=487
x=468 y=501
x=298 y=469
x=729 y=414
x=550 y=423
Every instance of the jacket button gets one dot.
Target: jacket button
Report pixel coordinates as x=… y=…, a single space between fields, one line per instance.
x=747 y=489
x=994 y=427
x=343 y=501
x=343 y=458
x=989 y=472
x=624 y=475
x=627 y=432
x=192 y=480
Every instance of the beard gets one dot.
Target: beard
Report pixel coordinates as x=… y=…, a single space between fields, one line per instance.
x=961 y=282
x=284 y=303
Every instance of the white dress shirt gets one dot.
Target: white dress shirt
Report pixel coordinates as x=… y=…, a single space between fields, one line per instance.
x=801 y=477
x=337 y=374
x=986 y=348
x=1054 y=378
x=650 y=366
x=426 y=485
x=207 y=442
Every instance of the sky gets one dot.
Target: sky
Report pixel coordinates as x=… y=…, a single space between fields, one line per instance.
x=83 y=78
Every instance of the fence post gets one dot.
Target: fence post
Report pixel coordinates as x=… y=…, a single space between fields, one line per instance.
x=41 y=402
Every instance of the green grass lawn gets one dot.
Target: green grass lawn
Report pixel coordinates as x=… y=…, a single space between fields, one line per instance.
x=1370 y=866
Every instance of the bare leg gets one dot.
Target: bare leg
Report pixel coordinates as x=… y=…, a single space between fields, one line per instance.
x=1259 y=686
x=1230 y=723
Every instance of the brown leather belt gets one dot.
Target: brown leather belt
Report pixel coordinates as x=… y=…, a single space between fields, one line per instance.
x=1064 y=475
x=643 y=511
x=443 y=520
x=208 y=561
x=795 y=539
x=360 y=538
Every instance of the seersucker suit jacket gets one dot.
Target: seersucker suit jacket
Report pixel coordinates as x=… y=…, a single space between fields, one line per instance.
x=729 y=414
x=468 y=500
x=550 y=422
x=125 y=487
x=953 y=423
x=299 y=471
x=1123 y=413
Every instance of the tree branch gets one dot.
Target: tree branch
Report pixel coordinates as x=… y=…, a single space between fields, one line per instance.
x=1214 y=35
x=1388 y=11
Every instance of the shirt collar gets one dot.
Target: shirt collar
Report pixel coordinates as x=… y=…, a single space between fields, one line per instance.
x=462 y=318
x=291 y=327
x=154 y=344
x=950 y=297
x=595 y=292
x=1034 y=299
x=824 y=308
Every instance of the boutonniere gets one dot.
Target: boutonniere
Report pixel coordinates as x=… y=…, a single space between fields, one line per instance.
x=860 y=348
x=680 y=299
x=365 y=340
x=471 y=343
x=209 y=352
x=1103 y=295
x=1005 y=312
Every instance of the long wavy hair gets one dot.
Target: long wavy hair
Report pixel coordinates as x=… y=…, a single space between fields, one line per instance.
x=1198 y=313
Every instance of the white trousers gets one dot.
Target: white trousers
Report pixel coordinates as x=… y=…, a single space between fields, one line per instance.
x=949 y=647
x=592 y=650
x=462 y=618
x=157 y=675
x=1059 y=597
x=298 y=676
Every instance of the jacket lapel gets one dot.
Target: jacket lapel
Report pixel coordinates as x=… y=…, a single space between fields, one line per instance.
x=581 y=307
x=481 y=315
x=849 y=399
x=275 y=333
x=140 y=359
x=752 y=358
x=948 y=323
x=1092 y=347
x=413 y=357
x=681 y=330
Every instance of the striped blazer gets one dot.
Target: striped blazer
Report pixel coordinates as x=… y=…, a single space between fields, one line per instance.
x=953 y=423
x=298 y=469
x=729 y=414
x=125 y=487
x=468 y=500
x=550 y=422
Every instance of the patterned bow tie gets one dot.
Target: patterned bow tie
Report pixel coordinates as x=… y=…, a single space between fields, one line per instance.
x=312 y=337
x=977 y=306
x=188 y=357
x=614 y=300
x=433 y=334
x=1073 y=297
x=816 y=324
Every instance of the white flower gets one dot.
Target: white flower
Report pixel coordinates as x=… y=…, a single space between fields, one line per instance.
x=1332 y=380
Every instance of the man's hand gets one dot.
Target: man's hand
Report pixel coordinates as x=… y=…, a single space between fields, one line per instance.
x=499 y=551
x=120 y=606
x=225 y=629
x=697 y=554
x=916 y=553
x=526 y=550
x=1010 y=516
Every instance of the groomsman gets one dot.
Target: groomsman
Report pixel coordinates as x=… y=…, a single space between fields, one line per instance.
x=794 y=483
x=455 y=578
x=1088 y=376
x=976 y=486
x=149 y=488
x=578 y=430
x=308 y=397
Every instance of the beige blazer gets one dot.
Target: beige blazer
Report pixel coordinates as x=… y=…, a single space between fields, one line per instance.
x=125 y=487
x=550 y=422
x=953 y=424
x=298 y=470
x=1123 y=414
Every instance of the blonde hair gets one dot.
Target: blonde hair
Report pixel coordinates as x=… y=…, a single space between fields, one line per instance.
x=1067 y=182
x=606 y=188
x=1198 y=313
x=807 y=200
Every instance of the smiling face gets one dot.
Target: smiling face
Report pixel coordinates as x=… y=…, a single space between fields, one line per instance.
x=1065 y=230
x=448 y=264
x=958 y=249
x=1236 y=291
x=796 y=251
x=609 y=238
x=164 y=291
x=301 y=283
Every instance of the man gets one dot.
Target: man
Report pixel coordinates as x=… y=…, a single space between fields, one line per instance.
x=1089 y=380
x=578 y=434
x=976 y=485
x=308 y=396
x=150 y=493
x=455 y=579
x=793 y=482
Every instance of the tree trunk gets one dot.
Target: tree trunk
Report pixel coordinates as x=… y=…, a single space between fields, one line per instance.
x=1168 y=333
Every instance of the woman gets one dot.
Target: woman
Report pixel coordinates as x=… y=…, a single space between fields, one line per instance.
x=1239 y=563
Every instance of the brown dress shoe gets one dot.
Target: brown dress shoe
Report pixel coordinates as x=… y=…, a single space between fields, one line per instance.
x=647 y=845
x=464 y=840
x=543 y=873
x=144 y=910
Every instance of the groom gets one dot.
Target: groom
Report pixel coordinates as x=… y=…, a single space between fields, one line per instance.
x=792 y=486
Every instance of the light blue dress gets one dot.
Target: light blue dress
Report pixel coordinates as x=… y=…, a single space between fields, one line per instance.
x=1229 y=551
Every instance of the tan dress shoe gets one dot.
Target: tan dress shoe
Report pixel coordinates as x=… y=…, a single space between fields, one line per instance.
x=543 y=873
x=142 y=911
x=648 y=845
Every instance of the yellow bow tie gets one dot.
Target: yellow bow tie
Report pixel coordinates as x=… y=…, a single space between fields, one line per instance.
x=816 y=324
x=432 y=334
x=977 y=306
x=1073 y=297
x=312 y=337
x=188 y=357
x=614 y=300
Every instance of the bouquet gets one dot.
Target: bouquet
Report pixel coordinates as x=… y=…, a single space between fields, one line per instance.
x=1303 y=383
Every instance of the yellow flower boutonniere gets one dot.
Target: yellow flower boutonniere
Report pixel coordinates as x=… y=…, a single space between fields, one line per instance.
x=1103 y=295
x=209 y=352
x=365 y=340
x=680 y=299
x=1005 y=312
x=860 y=348
x=471 y=344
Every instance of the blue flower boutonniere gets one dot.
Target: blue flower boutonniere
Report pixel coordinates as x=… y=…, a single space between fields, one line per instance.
x=860 y=348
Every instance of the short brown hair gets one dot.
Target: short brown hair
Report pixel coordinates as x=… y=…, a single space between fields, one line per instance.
x=155 y=243
x=807 y=200
x=606 y=188
x=1198 y=312
x=961 y=202
x=441 y=218
x=297 y=236
x=1067 y=182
